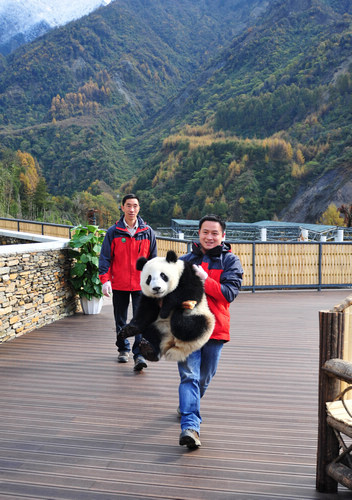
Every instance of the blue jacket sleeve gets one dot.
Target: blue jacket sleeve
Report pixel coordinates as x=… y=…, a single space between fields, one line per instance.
x=231 y=277
x=153 y=247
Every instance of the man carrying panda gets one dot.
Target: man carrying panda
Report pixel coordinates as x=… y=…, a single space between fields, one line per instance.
x=221 y=272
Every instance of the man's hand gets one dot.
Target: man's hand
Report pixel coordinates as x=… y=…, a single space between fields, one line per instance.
x=107 y=290
x=200 y=272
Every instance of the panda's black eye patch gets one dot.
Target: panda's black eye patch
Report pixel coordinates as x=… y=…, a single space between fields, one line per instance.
x=164 y=277
x=149 y=279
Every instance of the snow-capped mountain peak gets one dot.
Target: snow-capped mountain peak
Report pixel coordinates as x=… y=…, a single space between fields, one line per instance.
x=22 y=20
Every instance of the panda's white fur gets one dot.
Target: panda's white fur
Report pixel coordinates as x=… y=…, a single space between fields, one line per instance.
x=159 y=278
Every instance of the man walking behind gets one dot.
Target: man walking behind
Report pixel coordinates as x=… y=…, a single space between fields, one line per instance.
x=124 y=242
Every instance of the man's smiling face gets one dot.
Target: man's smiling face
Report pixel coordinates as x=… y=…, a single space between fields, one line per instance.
x=210 y=235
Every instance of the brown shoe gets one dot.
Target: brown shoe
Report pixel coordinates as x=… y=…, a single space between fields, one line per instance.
x=190 y=438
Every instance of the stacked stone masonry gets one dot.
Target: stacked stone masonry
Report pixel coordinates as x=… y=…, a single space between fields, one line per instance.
x=34 y=291
x=6 y=240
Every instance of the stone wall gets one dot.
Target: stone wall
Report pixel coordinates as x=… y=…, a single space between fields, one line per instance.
x=7 y=240
x=34 y=290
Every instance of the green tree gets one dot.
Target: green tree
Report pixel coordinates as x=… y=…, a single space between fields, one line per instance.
x=41 y=198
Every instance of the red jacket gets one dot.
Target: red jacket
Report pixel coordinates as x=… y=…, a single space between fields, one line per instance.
x=222 y=285
x=119 y=254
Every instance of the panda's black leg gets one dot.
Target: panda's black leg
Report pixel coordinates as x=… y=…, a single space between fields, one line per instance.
x=187 y=328
x=146 y=313
x=128 y=331
x=150 y=345
x=147 y=350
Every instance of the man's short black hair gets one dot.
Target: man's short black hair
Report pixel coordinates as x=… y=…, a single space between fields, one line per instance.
x=129 y=197
x=213 y=218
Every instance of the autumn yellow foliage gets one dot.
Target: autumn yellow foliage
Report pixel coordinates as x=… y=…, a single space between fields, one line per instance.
x=29 y=175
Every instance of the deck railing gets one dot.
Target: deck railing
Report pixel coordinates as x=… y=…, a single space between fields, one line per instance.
x=280 y=265
x=43 y=228
x=295 y=265
x=267 y=265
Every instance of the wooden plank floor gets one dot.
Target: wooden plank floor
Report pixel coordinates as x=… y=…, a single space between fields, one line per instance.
x=75 y=424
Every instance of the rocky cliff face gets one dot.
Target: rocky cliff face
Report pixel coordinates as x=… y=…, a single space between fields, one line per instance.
x=311 y=201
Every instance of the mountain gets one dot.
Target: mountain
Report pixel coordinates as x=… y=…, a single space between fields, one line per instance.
x=21 y=21
x=75 y=97
x=264 y=131
x=243 y=108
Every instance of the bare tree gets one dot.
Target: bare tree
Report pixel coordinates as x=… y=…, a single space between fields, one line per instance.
x=346 y=211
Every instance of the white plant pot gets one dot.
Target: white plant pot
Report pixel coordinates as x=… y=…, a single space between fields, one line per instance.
x=92 y=306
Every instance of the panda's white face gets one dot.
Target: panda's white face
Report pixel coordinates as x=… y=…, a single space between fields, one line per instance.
x=159 y=277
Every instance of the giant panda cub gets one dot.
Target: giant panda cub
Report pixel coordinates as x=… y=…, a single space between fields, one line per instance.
x=173 y=314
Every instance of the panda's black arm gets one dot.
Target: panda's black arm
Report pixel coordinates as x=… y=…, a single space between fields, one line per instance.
x=169 y=303
x=190 y=287
x=147 y=312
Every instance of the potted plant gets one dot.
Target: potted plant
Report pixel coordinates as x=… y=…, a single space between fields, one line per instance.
x=85 y=247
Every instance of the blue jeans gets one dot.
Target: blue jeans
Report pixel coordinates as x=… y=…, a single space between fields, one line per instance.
x=120 y=301
x=196 y=373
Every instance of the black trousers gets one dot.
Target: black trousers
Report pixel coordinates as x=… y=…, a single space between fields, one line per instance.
x=121 y=301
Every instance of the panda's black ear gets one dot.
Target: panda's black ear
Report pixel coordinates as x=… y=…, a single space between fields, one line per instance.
x=171 y=256
x=141 y=263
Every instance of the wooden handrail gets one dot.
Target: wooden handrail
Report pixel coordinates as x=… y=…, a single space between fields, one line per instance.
x=338 y=368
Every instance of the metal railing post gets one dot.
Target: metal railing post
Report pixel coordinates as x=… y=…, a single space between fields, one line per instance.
x=319 y=264
x=253 y=268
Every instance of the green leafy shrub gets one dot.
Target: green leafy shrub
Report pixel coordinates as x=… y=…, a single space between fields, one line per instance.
x=85 y=247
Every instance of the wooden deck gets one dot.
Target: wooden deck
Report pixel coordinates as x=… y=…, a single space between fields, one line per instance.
x=75 y=424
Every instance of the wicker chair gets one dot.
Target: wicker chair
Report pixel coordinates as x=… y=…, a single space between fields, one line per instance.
x=339 y=419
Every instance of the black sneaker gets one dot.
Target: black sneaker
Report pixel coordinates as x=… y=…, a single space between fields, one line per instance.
x=190 y=438
x=139 y=364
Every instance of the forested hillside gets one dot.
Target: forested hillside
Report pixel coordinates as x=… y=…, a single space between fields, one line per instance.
x=24 y=195
x=277 y=111
x=72 y=97
x=243 y=108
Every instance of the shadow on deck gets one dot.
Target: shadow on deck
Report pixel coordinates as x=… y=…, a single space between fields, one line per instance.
x=75 y=424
